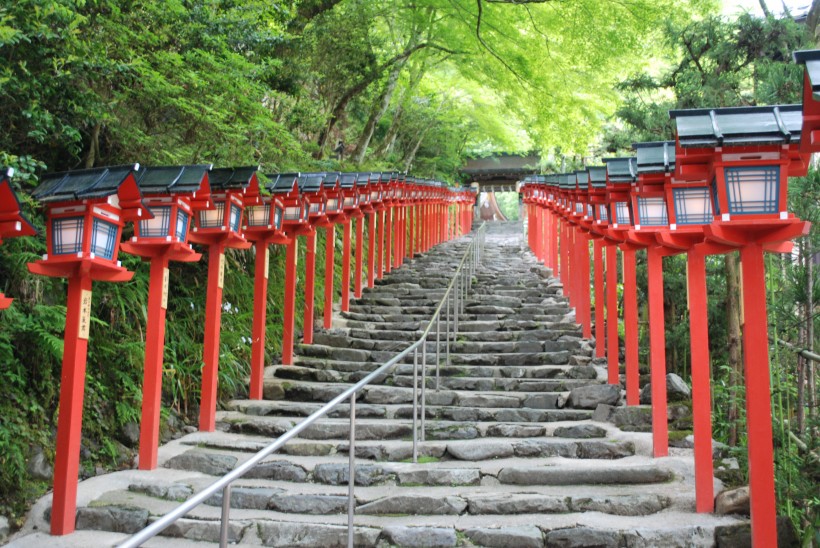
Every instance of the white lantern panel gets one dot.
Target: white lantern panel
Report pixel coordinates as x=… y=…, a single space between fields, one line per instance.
x=753 y=190
x=104 y=239
x=236 y=217
x=67 y=235
x=693 y=206
x=652 y=211
x=182 y=225
x=159 y=226
x=258 y=215
x=212 y=218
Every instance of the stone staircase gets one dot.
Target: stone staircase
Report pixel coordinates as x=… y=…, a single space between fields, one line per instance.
x=511 y=457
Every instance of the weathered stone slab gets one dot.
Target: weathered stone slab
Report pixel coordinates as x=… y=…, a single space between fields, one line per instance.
x=421 y=537
x=588 y=397
x=507 y=537
x=415 y=505
x=311 y=535
x=441 y=476
x=480 y=450
x=117 y=519
x=214 y=464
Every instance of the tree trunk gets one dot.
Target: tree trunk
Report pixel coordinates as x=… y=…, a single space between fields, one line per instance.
x=93 y=147
x=408 y=161
x=765 y=8
x=734 y=335
x=812 y=20
x=810 y=366
x=386 y=148
x=380 y=106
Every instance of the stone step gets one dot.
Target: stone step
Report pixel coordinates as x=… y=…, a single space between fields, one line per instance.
x=588 y=395
x=398 y=411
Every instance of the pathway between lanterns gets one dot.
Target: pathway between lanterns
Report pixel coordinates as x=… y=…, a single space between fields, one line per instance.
x=514 y=454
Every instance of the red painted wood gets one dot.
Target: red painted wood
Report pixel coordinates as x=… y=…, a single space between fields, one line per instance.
x=330 y=259
x=657 y=352
x=612 y=314
x=758 y=397
x=359 y=263
x=310 y=287
x=389 y=237
x=152 y=375
x=289 y=316
x=260 y=313
x=380 y=252
x=631 y=328
x=346 y=244
x=701 y=384
x=70 y=418
x=600 y=325
x=371 y=251
x=213 y=322
x=554 y=238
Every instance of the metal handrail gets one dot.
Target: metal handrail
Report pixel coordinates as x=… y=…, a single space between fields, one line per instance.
x=457 y=293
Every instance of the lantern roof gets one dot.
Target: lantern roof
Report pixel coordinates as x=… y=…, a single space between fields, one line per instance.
x=597 y=176
x=621 y=170
x=348 y=180
x=739 y=126
x=810 y=58
x=363 y=179
x=331 y=180
x=655 y=157
x=582 y=176
x=80 y=184
x=232 y=178
x=282 y=183
x=311 y=182
x=172 y=179
x=566 y=181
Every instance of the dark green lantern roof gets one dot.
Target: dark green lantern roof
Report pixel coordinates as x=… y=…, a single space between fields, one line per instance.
x=738 y=126
x=655 y=157
x=282 y=183
x=176 y=179
x=82 y=184
x=621 y=170
x=597 y=176
x=232 y=178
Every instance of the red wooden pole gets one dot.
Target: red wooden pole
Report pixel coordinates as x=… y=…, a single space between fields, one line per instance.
x=533 y=232
x=310 y=275
x=758 y=397
x=380 y=258
x=600 y=329
x=389 y=237
x=154 y=350
x=289 y=316
x=346 y=234
x=413 y=221
x=213 y=320
x=633 y=392
x=359 y=266
x=546 y=236
x=657 y=352
x=554 y=238
x=701 y=389
x=330 y=259
x=572 y=268
x=260 y=312
x=371 y=251
x=583 y=284
x=72 y=392
x=612 y=314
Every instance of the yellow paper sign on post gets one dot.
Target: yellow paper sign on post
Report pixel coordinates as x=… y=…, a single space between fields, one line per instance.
x=85 y=314
x=165 y=279
x=221 y=282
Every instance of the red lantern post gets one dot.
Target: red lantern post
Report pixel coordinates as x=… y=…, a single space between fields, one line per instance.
x=748 y=154
x=600 y=221
x=86 y=211
x=173 y=195
x=219 y=229
x=350 y=209
x=12 y=222
x=263 y=226
x=311 y=191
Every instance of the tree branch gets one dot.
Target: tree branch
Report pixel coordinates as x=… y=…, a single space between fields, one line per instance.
x=487 y=47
